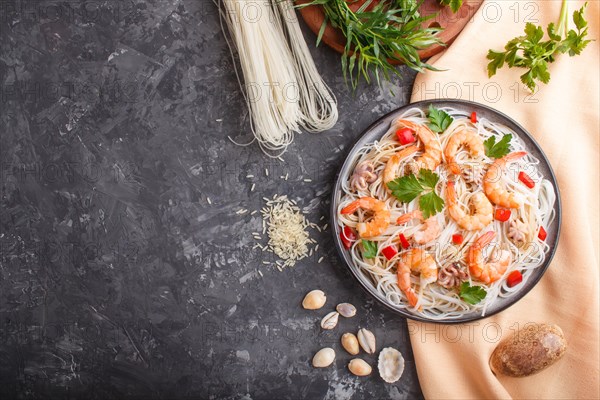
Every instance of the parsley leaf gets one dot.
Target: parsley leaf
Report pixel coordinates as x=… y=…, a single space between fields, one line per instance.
x=534 y=54
x=439 y=120
x=428 y=178
x=369 y=249
x=472 y=294
x=497 y=150
x=430 y=204
x=454 y=4
x=408 y=187
x=405 y=188
x=496 y=63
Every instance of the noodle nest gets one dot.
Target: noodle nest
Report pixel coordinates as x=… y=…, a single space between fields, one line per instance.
x=437 y=302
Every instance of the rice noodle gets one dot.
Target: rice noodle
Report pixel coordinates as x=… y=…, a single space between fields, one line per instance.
x=435 y=301
x=283 y=89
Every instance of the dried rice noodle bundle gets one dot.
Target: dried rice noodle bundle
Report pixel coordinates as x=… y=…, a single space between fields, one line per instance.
x=283 y=89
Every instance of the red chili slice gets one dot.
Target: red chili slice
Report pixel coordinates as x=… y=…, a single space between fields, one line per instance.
x=389 y=252
x=457 y=238
x=348 y=237
x=527 y=181
x=542 y=233
x=473 y=117
x=514 y=278
x=405 y=244
x=502 y=214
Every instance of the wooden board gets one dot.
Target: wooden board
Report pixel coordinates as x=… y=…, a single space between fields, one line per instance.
x=452 y=23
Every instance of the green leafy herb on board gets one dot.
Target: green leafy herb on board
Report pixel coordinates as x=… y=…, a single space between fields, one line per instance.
x=453 y=4
x=534 y=54
x=378 y=33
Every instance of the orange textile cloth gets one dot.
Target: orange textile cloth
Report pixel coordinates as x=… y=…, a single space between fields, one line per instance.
x=563 y=116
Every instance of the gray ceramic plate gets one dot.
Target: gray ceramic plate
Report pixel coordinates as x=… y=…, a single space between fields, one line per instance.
x=377 y=130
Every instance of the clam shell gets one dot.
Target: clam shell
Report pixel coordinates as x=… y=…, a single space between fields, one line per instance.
x=366 y=340
x=346 y=310
x=359 y=367
x=314 y=300
x=350 y=343
x=530 y=350
x=391 y=364
x=330 y=320
x=323 y=358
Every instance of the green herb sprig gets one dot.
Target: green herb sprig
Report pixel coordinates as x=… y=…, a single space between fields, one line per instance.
x=389 y=31
x=534 y=54
x=453 y=4
x=497 y=150
x=369 y=248
x=472 y=294
x=407 y=188
x=439 y=120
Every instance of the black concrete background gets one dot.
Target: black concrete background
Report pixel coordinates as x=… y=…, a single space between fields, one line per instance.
x=118 y=279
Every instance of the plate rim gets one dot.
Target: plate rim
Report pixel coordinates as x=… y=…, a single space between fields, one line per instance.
x=370 y=290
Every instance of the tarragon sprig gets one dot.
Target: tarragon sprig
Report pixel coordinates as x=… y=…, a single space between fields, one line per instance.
x=377 y=35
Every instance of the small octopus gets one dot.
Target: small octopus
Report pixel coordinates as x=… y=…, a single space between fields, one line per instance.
x=364 y=174
x=451 y=276
x=517 y=232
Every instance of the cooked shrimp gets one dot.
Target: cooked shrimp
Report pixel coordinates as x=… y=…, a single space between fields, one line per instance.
x=432 y=152
x=470 y=139
x=482 y=216
x=492 y=185
x=418 y=261
x=380 y=220
x=428 y=231
x=487 y=272
x=389 y=173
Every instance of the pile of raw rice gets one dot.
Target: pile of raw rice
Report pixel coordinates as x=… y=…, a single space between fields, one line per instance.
x=286 y=227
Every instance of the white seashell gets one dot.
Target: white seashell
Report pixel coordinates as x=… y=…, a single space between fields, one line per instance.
x=323 y=358
x=314 y=300
x=359 y=367
x=366 y=340
x=346 y=310
x=391 y=364
x=350 y=343
x=330 y=320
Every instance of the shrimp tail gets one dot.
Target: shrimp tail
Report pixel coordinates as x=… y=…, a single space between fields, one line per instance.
x=512 y=157
x=412 y=297
x=389 y=173
x=474 y=256
x=403 y=273
x=485 y=239
x=404 y=285
x=352 y=207
x=404 y=218
x=408 y=151
x=451 y=193
x=454 y=167
x=516 y=155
